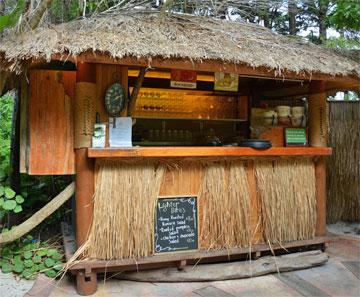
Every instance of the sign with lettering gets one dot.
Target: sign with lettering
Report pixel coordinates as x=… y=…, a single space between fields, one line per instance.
x=295 y=137
x=184 y=79
x=176 y=224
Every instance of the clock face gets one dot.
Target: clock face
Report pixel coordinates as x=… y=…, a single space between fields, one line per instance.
x=115 y=100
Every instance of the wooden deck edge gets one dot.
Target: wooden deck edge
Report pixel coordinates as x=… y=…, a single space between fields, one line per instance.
x=174 y=259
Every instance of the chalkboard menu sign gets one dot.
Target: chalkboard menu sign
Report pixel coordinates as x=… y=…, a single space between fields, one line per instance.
x=176 y=224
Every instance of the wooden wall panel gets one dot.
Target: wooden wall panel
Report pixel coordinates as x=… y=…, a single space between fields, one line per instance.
x=106 y=75
x=51 y=135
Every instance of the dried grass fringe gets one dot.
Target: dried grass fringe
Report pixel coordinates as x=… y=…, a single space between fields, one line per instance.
x=226 y=206
x=288 y=202
x=343 y=166
x=124 y=210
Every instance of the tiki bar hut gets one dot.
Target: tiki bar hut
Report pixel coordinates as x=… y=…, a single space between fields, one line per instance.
x=191 y=139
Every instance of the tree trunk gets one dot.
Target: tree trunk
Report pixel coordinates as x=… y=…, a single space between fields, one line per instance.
x=39 y=216
x=322 y=19
x=2 y=7
x=292 y=10
x=15 y=145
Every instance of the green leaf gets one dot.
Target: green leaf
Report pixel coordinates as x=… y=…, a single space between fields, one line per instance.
x=2 y=175
x=27 y=273
x=58 y=266
x=19 y=199
x=18 y=208
x=11 y=19
x=51 y=252
x=18 y=267
x=49 y=262
x=56 y=256
x=9 y=193
x=17 y=259
x=9 y=204
x=35 y=268
x=2 y=201
x=41 y=267
x=28 y=254
x=50 y=273
x=28 y=263
x=6 y=268
x=37 y=259
x=2 y=190
x=42 y=252
x=29 y=237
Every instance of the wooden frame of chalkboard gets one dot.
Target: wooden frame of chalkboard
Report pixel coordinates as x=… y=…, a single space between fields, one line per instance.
x=174 y=243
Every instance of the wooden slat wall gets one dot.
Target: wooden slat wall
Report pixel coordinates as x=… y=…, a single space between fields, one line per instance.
x=106 y=75
x=50 y=119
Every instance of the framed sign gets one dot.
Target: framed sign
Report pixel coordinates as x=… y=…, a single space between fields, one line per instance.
x=226 y=82
x=295 y=137
x=176 y=224
x=185 y=79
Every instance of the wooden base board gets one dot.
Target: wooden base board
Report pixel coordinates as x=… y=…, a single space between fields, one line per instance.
x=178 y=259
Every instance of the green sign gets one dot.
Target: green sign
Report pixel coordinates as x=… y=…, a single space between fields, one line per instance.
x=295 y=137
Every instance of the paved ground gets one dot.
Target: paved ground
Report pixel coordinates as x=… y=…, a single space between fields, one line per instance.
x=339 y=277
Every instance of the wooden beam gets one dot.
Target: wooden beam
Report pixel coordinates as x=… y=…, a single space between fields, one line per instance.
x=320 y=185
x=205 y=65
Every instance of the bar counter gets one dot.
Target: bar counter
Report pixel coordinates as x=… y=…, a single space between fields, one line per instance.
x=178 y=152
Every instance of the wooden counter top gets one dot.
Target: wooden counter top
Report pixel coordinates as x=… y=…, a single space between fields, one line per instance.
x=180 y=152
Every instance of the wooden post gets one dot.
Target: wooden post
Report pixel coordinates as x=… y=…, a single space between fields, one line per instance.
x=318 y=137
x=317 y=114
x=84 y=193
x=84 y=168
x=320 y=186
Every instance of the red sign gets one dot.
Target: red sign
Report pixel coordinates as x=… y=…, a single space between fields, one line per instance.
x=185 y=79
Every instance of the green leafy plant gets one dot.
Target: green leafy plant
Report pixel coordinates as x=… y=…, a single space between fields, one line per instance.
x=26 y=258
x=12 y=18
x=9 y=201
x=6 y=110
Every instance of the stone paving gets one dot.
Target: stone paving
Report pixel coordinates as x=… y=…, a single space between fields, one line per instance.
x=339 y=277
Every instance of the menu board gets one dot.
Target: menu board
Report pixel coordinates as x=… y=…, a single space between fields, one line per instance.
x=176 y=226
x=295 y=137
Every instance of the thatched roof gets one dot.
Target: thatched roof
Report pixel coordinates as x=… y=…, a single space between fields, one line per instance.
x=174 y=36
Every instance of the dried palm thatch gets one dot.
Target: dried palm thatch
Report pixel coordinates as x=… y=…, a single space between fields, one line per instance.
x=196 y=38
x=343 y=167
x=287 y=190
x=124 y=210
x=226 y=206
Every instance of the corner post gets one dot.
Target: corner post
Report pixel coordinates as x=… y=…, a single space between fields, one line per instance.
x=318 y=138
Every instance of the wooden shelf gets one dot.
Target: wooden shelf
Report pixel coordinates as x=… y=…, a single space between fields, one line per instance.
x=191 y=152
x=188 y=119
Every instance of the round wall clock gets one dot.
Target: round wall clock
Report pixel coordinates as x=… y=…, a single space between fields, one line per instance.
x=115 y=100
